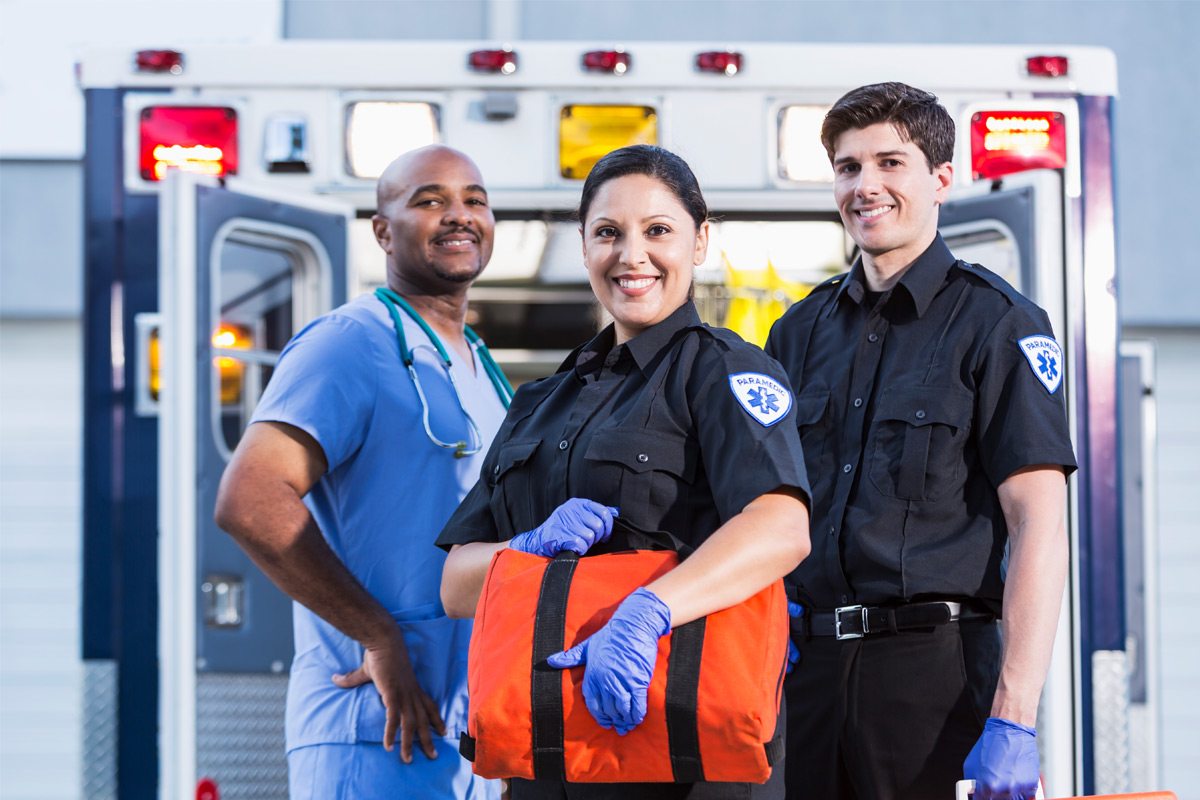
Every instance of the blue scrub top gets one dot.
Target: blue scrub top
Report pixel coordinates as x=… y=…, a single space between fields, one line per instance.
x=387 y=493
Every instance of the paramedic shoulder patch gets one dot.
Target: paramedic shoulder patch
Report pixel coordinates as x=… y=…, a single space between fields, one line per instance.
x=1045 y=359
x=763 y=397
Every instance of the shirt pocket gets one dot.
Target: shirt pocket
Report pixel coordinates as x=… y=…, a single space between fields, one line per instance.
x=814 y=430
x=919 y=433
x=650 y=473
x=513 y=488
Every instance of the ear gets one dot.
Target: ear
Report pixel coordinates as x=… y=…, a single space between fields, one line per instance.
x=944 y=175
x=383 y=233
x=701 y=252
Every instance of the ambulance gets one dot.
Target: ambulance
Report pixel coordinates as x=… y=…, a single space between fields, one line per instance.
x=229 y=191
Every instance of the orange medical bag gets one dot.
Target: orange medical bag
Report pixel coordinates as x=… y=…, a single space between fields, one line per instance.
x=711 y=707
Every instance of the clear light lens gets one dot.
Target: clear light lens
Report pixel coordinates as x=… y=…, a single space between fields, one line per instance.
x=801 y=155
x=377 y=132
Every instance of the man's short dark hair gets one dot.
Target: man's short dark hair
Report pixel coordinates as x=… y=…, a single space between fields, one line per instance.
x=916 y=115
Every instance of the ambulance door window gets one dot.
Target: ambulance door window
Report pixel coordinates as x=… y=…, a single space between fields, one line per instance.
x=259 y=289
x=990 y=244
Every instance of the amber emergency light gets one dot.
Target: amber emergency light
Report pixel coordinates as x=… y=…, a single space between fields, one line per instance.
x=1004 y=142
x=231 y=370
x=200 y=139
x=587 y=133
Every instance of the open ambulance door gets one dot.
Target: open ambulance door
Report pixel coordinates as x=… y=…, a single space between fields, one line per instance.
x=1016 y=229
x=240 y=273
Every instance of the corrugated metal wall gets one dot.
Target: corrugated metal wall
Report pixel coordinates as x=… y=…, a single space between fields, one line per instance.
x=40 y=670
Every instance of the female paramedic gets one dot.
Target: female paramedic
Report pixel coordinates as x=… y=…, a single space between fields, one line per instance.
x=672 y=424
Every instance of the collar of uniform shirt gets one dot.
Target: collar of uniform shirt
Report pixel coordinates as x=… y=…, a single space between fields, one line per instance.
x=643 y=347
x=922 y=281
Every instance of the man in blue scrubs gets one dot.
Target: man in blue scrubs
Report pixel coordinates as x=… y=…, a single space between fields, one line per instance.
x=340 y=486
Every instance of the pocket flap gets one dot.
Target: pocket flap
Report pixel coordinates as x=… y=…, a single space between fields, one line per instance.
x=925 y=405
x=810 y=407
x=514 y=454
x=644 y=450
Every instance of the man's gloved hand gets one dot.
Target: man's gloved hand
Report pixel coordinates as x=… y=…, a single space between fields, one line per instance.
x=620 y=660
x=576 y=525
x=1004 y=762
x=795 y=611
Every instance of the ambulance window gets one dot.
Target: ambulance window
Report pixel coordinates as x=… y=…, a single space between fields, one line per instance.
x=756 y=269
x=255 y=294
x=990 y=244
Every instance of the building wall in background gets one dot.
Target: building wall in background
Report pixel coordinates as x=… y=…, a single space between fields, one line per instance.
x=41 y=236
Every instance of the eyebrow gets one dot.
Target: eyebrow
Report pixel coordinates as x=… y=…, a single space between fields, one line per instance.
x=437 y=187
x=881 y=154
x=644 y=219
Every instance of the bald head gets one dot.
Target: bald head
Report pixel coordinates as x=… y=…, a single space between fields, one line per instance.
x=433 y=221
x=412 y=169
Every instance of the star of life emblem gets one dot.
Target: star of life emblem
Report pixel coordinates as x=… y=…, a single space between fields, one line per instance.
x=763 y=398
x=1045 y=359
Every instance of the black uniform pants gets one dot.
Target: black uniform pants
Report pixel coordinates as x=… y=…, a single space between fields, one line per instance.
x=889 y=716
x=773 y=789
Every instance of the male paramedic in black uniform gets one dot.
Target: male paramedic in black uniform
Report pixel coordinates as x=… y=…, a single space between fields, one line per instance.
x=930 y=405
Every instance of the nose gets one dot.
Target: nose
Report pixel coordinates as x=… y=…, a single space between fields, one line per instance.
x=633 y=251
x=457 y=213
x=868 y=184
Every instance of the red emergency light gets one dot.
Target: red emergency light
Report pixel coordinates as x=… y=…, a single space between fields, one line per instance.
x=206 y=789
x=501 y=61
x=1047 y=66
x=616 y=62
x=720 y=61
x=201 y=139
x=1004 y=142
x=159 y=61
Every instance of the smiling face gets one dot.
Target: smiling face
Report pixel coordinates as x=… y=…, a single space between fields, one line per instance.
x=887 y=195
x=640 y=247
x=434 y=221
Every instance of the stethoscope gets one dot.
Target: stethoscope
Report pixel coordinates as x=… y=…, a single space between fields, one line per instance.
x=503 y=388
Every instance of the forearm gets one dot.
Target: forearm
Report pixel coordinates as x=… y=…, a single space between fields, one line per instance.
x=1038 y=561
x=760 y=545
x=279 y=534
x=463 y=576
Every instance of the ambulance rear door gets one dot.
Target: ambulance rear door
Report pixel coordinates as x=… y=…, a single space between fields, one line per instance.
x=241 y=271
x=1015 y=228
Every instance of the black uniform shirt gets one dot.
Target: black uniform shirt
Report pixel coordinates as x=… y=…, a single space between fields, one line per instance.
x=654 y=427
x=912 y=411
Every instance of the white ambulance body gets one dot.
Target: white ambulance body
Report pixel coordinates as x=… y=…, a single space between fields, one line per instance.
x=229 y=191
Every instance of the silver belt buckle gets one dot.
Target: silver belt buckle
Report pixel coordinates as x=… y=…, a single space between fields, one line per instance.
x=837 y=622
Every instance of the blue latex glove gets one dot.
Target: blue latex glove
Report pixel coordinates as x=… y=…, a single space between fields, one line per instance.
x=1004 y=762
x=575 y=525
x=795 y=610
x=620 y=660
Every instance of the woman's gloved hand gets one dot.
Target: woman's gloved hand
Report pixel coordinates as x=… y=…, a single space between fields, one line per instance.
x=576 y=525
x=1004 y=762
x=619 y=660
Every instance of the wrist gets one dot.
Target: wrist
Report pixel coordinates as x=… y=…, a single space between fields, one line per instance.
x=1014 y=708
x=649 y=606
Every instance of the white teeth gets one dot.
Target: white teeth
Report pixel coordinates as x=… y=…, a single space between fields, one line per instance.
x=635 y=283
x=456 y=242
x=874 y=212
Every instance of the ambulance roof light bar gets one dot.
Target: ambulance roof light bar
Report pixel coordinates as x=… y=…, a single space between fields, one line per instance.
x=1047 y=66
x=722 y=62
x=502 y=61
x=1008 y=141
x=615 y=62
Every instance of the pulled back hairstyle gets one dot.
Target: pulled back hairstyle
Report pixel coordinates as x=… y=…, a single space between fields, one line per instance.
x=653 y=162
x=916 y=115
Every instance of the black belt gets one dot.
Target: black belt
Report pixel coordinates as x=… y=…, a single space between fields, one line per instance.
x=855 y=622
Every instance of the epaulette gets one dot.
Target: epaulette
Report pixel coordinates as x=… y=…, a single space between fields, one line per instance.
x=993 y=280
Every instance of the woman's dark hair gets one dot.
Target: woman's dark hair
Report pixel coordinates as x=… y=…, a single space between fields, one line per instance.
x=653 y=162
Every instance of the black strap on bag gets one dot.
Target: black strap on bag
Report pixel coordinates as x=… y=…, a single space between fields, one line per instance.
x=549 y=632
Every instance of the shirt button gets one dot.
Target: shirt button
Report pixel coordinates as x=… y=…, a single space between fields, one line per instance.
x=564 y=444
x=831 y=530
x=845 y=599
x=858 y=402
x=643 y=458
x=496 y=471
x=874 y=337
x=847 y=468
x=921 y=415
